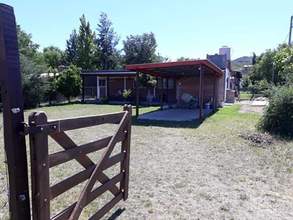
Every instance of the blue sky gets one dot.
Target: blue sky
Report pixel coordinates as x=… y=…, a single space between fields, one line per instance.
x=187 y=28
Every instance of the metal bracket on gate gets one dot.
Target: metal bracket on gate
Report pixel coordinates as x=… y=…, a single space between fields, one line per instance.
x=47 y=128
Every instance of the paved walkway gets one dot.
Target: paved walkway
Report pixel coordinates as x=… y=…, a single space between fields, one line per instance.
x=173 y=115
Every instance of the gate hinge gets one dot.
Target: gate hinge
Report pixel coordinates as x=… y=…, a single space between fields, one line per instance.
x=47 y=128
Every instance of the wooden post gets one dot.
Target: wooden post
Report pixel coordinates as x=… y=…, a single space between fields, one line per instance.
x=126 y=150
x=14 y=142
x=167 y=89
x=108 y=88
x=214 y=94
x=200 y=92
x=161 y=93
x=137 y=95
x=39 y=168
x=83 y=84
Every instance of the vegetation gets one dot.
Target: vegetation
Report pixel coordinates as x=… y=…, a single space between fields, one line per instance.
x=85 y=49
x=126 y=94
x=107 y=40
x=31 y=65
x=69 y=82
x=278 y=117
x=213 y=150
x=272 y=68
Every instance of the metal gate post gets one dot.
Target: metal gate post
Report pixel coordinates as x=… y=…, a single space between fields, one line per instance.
x=15 y=148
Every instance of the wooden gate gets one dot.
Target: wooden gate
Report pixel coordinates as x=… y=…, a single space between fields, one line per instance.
x=40 y=129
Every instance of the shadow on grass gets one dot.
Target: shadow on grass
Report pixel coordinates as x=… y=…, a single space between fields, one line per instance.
x=169 y=124
x=116 y=214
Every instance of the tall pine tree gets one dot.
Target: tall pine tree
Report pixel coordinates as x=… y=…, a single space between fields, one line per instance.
x=107 y=41
x=71 y=49
x=85 y=45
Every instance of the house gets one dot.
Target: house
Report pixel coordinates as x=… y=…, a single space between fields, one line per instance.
x=201 y=84
x=107 y=85
x=186 y=84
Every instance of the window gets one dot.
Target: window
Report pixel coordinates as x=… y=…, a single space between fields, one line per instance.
x=171 y=83
x=102 y=82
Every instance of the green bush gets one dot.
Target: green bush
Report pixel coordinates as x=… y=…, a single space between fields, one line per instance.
x=278 y=116
x=69 y=82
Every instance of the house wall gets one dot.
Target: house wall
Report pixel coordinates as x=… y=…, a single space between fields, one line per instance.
x=116 y=87
x=90 y=86
x=190 y=85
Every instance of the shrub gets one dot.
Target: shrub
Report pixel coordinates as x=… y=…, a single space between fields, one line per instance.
x=69 y=82
x=126 y=93
x=278 y=116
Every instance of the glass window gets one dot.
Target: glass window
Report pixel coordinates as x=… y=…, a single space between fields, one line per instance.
x=171 y=83
x=102 y=82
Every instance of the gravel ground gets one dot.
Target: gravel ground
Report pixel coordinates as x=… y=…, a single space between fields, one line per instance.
x=208 y=172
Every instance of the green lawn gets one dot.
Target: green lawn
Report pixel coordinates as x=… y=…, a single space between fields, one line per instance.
x=245 y=95
x=185 y=170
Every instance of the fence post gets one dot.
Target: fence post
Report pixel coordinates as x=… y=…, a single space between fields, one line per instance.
x=125 y=148
x=11 y=92
x=39 y=168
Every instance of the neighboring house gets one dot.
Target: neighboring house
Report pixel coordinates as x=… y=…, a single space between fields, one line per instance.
x=107 y=85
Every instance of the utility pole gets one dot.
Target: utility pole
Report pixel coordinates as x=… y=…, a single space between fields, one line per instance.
x=290 y=31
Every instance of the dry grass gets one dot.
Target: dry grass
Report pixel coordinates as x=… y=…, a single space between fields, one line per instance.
x=188 y=172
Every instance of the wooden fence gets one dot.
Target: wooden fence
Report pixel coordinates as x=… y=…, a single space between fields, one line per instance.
x=41 y=161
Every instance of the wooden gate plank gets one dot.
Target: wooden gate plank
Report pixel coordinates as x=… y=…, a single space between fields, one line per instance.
x=98 y=170
x=80 y=177
x=70 y=182
x=66 y=142
x=126 y=150
x=40 y=169
x=67 y=155
x=87 y=121
x=107 y=207
x=65 y=214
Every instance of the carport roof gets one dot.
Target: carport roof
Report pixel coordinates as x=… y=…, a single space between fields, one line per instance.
x=178 y=68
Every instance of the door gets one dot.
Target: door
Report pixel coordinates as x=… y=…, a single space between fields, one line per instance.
x=101 y=87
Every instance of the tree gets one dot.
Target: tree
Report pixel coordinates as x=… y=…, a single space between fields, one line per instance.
x=272 y=68
x=69 y=82
x=107 y=41
x=53 y=56
x=253 y=58
x=32 y=64
x=278 y=116
x=140 y=48
x=85 y=45
x=25 y=44
x=71 y=55
x=183 y=59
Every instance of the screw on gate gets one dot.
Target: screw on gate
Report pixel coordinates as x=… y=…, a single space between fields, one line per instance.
x=22 y=197
x=15 y=110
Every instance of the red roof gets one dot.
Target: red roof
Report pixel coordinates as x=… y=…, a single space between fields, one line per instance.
x=175 y=68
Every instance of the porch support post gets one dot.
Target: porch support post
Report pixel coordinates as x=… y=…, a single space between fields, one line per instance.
x=167 y=89
x=83 y=83
x=214 y=94
x=137 y=94
x=124 y=83
x=200 y=92
x=108 y=88
x=161 y=92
